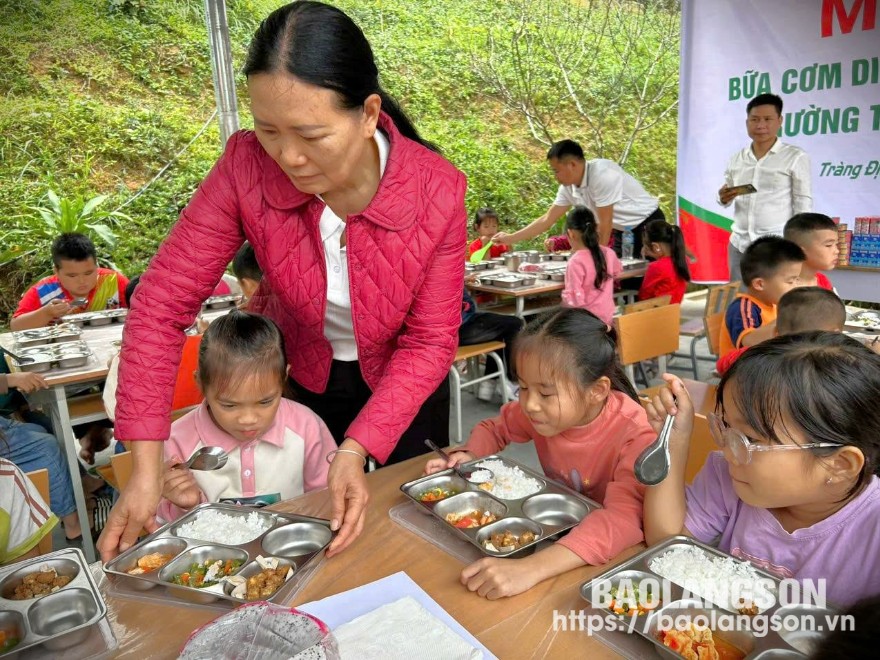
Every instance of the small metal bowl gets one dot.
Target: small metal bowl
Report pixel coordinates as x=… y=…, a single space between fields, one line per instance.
x=296 y=539
x=68 y=609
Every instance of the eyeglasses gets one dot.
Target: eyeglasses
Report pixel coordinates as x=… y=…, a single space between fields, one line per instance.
x=741 y=447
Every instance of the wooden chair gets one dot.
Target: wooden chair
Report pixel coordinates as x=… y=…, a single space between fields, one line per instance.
x=650 y=303
x=40 y=480
x=718 y=299
x=652 y=333
x=714 y=325
x=122 y=467
x=471 y=354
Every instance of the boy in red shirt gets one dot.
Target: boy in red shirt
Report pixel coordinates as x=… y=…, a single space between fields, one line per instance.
x=486 y=226
x=78 y=285
x=817 y=236
x=770 y=267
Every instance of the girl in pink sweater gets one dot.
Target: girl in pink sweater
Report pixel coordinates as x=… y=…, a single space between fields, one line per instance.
x=277 y=448
x=578 y=406
x=589 y=277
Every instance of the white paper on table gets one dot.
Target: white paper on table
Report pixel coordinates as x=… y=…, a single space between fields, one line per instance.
x=401 y=630
x=349 y=605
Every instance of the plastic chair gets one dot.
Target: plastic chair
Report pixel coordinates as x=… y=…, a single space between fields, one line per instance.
x=718 y=299
x=40 y=480
x=652 y=333
x=471 y=354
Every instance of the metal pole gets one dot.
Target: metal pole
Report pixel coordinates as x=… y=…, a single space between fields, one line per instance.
x=221 y=67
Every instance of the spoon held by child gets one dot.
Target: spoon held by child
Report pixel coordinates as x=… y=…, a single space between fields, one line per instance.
x=474 y=475
x=206 y=458
x=652 y=465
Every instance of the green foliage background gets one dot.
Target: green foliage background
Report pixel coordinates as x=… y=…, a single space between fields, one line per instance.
x=96 y=96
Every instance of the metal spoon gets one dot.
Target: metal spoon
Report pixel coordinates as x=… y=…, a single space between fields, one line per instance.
x=465 y=473
x=15 y=356
x=206 y=458
x=652 y=465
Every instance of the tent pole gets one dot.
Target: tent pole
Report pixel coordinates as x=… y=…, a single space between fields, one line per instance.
x=221 y=67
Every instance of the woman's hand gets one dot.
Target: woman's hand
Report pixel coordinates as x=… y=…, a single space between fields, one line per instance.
x=136 y=508
x=26 y=382
x=455 y=458
x=503 y=238
x=673 y=400
x=348 y=495
x=496 y=578
x=180 y=487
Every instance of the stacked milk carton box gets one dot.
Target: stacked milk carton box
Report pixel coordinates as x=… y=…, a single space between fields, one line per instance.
x=865 y=248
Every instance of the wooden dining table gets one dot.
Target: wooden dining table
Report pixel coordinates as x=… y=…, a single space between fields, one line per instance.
x=518 y=627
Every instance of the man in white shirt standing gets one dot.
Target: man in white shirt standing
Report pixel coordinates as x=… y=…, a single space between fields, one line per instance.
x=779 y=174
x=618 y=201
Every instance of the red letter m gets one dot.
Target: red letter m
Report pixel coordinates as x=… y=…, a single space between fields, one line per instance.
x=836 y=8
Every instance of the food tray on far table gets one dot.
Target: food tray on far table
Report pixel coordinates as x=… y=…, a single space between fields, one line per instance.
x=631 y=264
x=509 y=280
x=222 y=302
x=172 y=556
x=49 y=603
x=103 y=317
x=68 y=355
x=681 y=579
x=868 y=320
x=480 y=265
x=506 y=517
x=51 y=334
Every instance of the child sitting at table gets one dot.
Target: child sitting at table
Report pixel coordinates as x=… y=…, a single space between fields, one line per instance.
x=770 y=267
x=668 y=272
x=247 y=271
x=808 y=513
x=583 y=414
x=277 y=448
x=486 y=226
x=24 y=517
x=816 y=234
x=31 y=448
x=800 y=310
x=76 y=277
x=589 y=277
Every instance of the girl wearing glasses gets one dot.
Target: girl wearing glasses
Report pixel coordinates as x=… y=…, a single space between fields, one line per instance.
x=795 y=487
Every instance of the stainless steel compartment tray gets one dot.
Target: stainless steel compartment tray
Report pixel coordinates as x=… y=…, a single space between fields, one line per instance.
x=221 y=302
x=299 y=552
x=569 y=505
x=31 y=614
x=512 y=281
x=102 y=317
x=638 y=566
x=52 y=334
x=68 y=355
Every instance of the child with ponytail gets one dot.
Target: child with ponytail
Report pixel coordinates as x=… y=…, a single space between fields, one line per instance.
x=589 y=278
x=583 y=414
x=668 y=272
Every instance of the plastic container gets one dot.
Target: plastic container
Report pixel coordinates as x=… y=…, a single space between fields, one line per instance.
x=628 y=244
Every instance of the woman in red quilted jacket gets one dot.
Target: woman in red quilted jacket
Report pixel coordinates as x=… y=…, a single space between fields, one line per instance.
x=359 y=226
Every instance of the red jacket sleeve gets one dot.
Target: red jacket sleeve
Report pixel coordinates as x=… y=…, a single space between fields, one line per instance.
x=606 y=532
x=428 y=341
x=204 y=240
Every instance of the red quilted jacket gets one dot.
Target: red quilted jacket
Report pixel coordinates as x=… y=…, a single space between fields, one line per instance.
x=406 y=273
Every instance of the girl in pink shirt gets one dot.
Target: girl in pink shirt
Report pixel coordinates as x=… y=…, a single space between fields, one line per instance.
x=277 y=448
x=589 y=277
x=583 y=414
x=808 y=513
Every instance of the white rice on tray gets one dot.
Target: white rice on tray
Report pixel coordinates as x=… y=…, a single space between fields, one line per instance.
x=721 y=580
x=217 y=527
x=509 y=483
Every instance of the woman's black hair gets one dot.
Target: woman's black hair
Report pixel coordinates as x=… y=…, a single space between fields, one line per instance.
x=660 y=231
x=239 y=345
x=582 y=220
x=825 y=383
x=576 y=344
x=482 y=214
x=322 y=46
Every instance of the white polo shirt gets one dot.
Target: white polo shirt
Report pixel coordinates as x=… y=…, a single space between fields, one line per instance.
x=606 y=183
x=338 y=326
x=782 y=179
